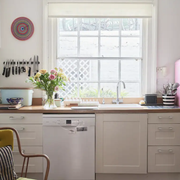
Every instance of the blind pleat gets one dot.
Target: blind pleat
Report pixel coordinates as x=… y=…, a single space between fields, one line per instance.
x=100 y=10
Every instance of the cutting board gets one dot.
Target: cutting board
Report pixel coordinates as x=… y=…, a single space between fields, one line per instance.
x=9 y=106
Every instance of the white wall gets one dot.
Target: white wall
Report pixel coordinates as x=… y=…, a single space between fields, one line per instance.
x=168 y=38
x=11 y=48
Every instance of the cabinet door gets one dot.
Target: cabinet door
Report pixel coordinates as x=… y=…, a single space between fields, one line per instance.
x=165 y=118
x=121 y=143
x=163 y=134
x=28 y=134
x=163 y=159
x=35 y=164
x=20 y=118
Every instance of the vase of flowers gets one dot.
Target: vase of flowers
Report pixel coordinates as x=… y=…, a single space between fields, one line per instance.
x=50 y=82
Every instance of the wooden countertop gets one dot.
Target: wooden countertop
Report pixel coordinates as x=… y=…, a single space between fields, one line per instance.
x=68 y=110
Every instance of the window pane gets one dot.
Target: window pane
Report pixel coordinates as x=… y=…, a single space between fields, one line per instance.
x=109 y=90
x=71 y=90
x=67 y=46
x=69 y=67
x=130 y=70
x=131 y=26
x=109 y=26
x=88 y=70
x=88 y=46
x=109 y=47
x=130 y=47
x=89 y=26
x=88 y=90
x=109 y=70
x=68 y=26
x=131 y=90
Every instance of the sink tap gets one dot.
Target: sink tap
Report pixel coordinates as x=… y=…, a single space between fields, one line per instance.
x=117 y=101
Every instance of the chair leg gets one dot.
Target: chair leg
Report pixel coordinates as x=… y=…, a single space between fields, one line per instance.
x=27 y=166
x=23 y=166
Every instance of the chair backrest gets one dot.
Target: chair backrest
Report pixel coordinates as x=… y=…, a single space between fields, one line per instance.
x=6 y=138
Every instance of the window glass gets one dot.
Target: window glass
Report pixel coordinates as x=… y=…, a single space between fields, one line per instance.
x=96 y=53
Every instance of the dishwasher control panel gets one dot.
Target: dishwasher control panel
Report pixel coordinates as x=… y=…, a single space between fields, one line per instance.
x=68 y=120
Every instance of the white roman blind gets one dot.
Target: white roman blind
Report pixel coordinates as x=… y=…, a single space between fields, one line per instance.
x=100 y=9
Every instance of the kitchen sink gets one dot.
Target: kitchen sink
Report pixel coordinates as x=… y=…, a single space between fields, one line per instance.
x=120 y=106
x=109 y=106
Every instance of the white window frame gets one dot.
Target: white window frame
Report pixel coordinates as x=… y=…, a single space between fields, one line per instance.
x=149 y=55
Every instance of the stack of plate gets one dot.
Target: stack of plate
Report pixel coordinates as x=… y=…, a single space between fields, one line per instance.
x=168 y=100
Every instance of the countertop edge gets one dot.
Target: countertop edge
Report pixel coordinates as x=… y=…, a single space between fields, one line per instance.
x=39 y=109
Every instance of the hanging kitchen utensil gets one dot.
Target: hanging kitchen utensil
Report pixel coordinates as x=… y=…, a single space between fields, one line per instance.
x=19 y=68
x=7 y=69
x=16 y=68
x=29 y=70
x=24 y=68
x=37 y=67
x=4 y=69
x=34 y=65
x=13 y=67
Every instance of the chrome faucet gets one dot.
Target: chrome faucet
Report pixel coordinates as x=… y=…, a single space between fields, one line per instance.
x=117 y=101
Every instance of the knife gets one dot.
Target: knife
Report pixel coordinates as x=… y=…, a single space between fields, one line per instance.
x=29 y=70
x=7 y=68
x=34 y=65
x=4 y=69
x=16 y=68
x=37 y=67
x=19 y=68
x=12 y=67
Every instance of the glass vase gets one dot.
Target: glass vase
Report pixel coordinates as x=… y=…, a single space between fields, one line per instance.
x=49 y=103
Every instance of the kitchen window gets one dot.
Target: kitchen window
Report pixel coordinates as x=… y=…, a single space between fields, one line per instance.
x=97 y=52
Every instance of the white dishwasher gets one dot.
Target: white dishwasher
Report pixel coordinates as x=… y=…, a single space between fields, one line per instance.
x=69 y=141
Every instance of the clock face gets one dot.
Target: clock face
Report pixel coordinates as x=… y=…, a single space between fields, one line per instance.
x=22 y=28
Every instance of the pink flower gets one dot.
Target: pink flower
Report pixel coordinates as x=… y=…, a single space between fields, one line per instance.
x=56 y=88
x=53 y=71
x=52 y=77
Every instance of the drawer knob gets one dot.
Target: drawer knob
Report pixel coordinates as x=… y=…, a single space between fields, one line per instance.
x=165 y=129
x=165 y=151
x=16 y=118
x=20 y=129
x=169 y=117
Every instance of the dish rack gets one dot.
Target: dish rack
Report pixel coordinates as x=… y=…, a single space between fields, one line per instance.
x=81 y=103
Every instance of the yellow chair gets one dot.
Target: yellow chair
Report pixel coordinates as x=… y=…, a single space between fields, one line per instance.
x=6 y=139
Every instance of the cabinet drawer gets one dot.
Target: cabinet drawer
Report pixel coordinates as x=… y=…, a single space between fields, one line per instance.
x=163 y=134
x=164 y=118
x=35 y=164
x=19 y=118
x=163 y=159
x=29 y=134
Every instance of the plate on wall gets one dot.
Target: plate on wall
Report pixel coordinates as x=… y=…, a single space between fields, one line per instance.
x=22 y=28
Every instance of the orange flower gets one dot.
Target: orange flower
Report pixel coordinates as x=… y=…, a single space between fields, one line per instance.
x=43 y=71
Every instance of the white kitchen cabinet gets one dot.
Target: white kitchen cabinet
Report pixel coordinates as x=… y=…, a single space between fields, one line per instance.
x=121 y=143
x=163 y=159
x=164 y=142
x=163 y=134
x=29 y=127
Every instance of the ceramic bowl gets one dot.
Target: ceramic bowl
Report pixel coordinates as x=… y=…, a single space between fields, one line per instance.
x=14 y=101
